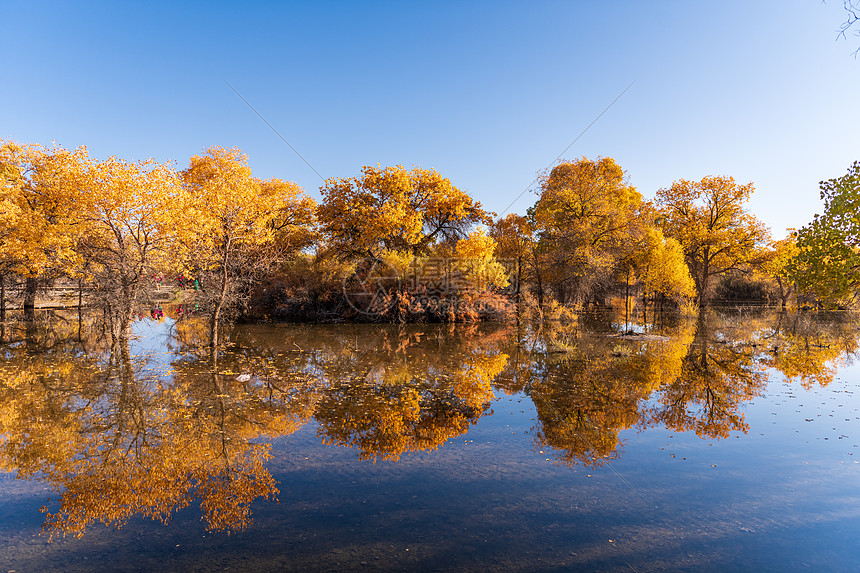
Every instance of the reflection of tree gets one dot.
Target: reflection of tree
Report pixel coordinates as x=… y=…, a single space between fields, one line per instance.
x=586 y=396
x=53 y=331
x=417 y=390
x=601 y=385
x=189 y=333
x=119 y=435
x=809 y=347
x=716 y=378
x=582 y=406
x=116 y=438
x=385 y=390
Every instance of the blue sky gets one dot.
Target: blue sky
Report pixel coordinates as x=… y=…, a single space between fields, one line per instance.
x=488 y=93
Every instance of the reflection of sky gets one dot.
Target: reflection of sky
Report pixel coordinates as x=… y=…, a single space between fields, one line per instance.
x=151 y=339
x=786 y=489
x=782 y=497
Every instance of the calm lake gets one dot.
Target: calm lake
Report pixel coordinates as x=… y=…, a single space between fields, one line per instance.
x=723 y=442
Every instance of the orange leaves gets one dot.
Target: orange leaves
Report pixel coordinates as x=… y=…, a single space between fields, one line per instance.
x=513 y=235
x=710 y=220
x=233 y=226
x=43 y=217
x=582 y=191
x=70 y=208
x=586 y=219
x=394 y=209
x=223 y=208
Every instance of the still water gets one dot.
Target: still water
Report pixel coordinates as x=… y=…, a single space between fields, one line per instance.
x=723 y=442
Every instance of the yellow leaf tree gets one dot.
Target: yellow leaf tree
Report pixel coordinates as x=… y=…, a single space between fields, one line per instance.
x=515 y=242
x=125 y=205
x=586 y=215
x=42 y=216
x=9 y=214
x=662 y=267
x=777 y=263
x=710 y=220
x=475 y=257
x=395 y=209
x=231 y=223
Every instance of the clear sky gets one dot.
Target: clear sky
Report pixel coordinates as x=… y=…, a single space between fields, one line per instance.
x=488 y=93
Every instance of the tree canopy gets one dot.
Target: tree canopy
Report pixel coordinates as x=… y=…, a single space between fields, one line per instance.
x=828 y=262
x=710 y=221
x=395 y=209
x=409 y=241
x=232 y=223
x=586 y=215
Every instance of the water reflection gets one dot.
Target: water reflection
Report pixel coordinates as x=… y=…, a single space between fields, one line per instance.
x=810 y=348
x=117 y=431
x=695 y=375
x=116 y=438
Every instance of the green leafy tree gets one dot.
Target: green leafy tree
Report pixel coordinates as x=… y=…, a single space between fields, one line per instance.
x=828 y=260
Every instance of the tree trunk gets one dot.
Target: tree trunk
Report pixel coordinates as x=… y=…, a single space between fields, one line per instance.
x=784 y=292
x=214 y=327
x=2 y=298
x=30 y=288
x=80 y=303
x=111 y=322
x=517 y=296
x=539 y=288
x=126 y=307
x=645 y=310
x=627 y=303
x=706 y=273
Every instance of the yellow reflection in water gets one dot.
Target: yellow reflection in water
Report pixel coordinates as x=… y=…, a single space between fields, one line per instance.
x=118 y=435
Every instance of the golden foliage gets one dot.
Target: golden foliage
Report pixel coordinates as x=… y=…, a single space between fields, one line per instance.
x=589 y=223
x=116 y=439
x=475 y=252
x=408 y=396
x=662 y=267
x=393 y=208
x=230 y=225
x=709 y=219
x=42 y=216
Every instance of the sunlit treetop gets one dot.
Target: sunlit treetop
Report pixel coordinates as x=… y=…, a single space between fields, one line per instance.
x=827 y=263
x=47 y=212
x=393 y=208
x=710 y=220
